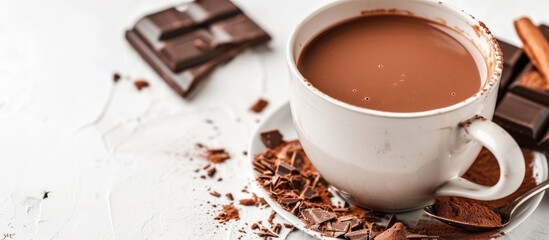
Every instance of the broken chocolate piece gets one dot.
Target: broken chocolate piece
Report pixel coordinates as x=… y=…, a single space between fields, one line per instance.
x=338 y=227
x=359 y=234
x=309 y=194
x=392 y=220
x=271 y=139
x=284 y=169
x=259 y=105
x=525 y=120
x=317 y=215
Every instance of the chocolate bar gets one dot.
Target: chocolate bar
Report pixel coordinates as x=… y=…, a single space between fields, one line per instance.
x=183 y=44
x=523 y=109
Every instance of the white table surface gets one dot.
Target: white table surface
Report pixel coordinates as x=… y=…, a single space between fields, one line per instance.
x=116 y=161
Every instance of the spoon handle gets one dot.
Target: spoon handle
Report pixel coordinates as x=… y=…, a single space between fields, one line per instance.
x=533 y=192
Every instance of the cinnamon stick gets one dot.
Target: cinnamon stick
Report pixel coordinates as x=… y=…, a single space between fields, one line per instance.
x=535 y=46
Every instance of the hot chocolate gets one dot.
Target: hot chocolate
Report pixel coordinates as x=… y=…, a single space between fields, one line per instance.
x=393 y=63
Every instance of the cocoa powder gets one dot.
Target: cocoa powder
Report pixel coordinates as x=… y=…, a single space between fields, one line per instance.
x=467 y=212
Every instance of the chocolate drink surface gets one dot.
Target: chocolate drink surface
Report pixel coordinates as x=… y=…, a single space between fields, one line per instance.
x=393 y=63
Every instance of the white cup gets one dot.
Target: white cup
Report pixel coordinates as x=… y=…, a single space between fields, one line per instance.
x=395 y=162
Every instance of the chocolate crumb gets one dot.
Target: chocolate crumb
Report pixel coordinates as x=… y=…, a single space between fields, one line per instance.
x=229 y=213
x=215 y=194
x=217 y=155
x=229 y=196
x=141 y=84
x=220 y=179
x=247 y=202
x=116 y=77
x=259 y=105
x=211 y=172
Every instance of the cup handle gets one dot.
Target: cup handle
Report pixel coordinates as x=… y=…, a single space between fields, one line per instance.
x=507 y=153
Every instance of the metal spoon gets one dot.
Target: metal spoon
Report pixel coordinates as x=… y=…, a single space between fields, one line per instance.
x=506 y=212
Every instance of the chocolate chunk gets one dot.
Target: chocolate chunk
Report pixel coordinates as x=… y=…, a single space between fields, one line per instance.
x=317 y=215
x=392 y=220
x=271 y=139
x=359 y=234
x=297 y=183
x=259 y=105
x=284 y=169
x=514 y=60
x=183 y=44
x=511 y=53
x=525 y=120
x=309 y=194
x=532 y=85
x=338 y=227
x=522 y=106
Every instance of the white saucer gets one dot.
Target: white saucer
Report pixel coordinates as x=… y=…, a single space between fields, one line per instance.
x=281 y=119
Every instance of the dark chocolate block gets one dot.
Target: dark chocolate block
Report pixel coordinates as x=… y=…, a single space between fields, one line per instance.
x=514 y=60
x=524 y=105
x=195 y=47
x=181 y=82
x=531 y=84
x=183 y=18
x=524 y=119
x=185 y=43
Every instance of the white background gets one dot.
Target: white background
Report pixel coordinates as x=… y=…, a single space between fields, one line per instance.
x=116 y=161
